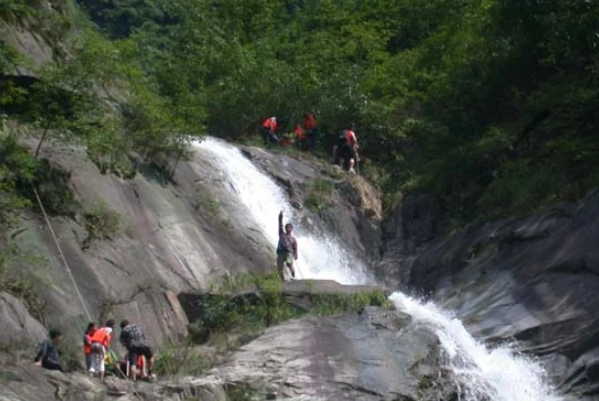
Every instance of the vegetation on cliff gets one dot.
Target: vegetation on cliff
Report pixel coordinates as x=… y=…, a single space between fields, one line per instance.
x=239 y=308
x=487 y=103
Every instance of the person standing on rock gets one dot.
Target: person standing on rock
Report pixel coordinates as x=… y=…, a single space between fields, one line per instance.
x=100 y=344
x=286 y=249
x=269 y=130
x=48 y=355
x=134 y=340
x=311 y=126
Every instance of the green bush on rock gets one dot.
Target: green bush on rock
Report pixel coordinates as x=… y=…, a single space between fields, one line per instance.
x=101 y=223
x=247 y=304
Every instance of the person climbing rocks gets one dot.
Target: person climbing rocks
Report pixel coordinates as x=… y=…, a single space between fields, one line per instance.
x=134 y=340
x=48 y=355
x=87 y=344
x=100 y=344
x=269 y=130
x=286 y=249
x=311 y=127
x=345 y=151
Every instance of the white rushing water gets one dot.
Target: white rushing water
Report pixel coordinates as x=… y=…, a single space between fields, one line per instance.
x=496 y=375
x=320 y=256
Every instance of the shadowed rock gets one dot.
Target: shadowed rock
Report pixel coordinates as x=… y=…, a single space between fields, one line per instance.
x=532 y=279
x=376 y=355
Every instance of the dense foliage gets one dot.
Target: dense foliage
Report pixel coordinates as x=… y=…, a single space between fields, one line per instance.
x=490 y=104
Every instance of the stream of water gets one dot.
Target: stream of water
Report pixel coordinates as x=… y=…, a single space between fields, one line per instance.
x=320 y=256
x=498 y=374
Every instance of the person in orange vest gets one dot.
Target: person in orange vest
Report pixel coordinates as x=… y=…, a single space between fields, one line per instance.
x=300 y=136
x=100 y=343
x=269 y=130
x=87 y=344
x=311 y=126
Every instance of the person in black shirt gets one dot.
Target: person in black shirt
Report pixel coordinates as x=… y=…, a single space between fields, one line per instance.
x=48 y=355
x=134 y=340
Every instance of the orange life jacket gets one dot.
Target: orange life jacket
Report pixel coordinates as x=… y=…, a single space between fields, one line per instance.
x=102 y=336
x=270 y=123
x=310 y=122
x=299 y=132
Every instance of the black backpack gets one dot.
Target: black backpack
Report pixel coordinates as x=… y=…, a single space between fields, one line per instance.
x=342 y=139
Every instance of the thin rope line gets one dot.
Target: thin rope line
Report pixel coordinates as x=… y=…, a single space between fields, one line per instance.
x=298 y=270
x=64 y=260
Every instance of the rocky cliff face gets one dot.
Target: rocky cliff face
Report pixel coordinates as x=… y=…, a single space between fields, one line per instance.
x=171 y=237
x=532 y=279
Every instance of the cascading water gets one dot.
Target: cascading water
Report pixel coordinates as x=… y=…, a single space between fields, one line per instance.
x=496 y=375
x=320 y=257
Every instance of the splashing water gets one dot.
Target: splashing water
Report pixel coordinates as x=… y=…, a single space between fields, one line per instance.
x=320 y=256
x=498 y=374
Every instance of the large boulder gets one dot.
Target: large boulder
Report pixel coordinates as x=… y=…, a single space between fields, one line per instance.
x=376 y=355
x=20 y=332
x=17 y=323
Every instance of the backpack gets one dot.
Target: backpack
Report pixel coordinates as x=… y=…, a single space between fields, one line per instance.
x=135 y=336
x=342 y=139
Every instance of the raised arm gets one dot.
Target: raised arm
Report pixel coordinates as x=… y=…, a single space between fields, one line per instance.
x=281 y=231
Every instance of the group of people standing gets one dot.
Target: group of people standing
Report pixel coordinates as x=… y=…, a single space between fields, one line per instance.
x=304 y=136
x=138 y=361
x=345 y=149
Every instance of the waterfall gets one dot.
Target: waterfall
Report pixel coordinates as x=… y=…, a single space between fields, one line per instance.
x=498 y=374
x=321 y=256
x=482 y=374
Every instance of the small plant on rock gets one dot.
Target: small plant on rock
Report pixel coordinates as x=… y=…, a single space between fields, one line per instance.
x=101 y=223
x=179 y=359
x=320 y=195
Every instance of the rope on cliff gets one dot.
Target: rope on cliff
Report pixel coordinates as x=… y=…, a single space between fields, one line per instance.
x=64 y=260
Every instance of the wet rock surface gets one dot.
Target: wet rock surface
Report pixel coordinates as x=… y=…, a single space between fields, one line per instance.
x=376 y=355
x=531 y=279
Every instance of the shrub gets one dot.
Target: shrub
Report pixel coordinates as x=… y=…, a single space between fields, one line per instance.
x=245 y=313
x=22 y=285
x=101 y=223
x=179 y=359
x=320 y=195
